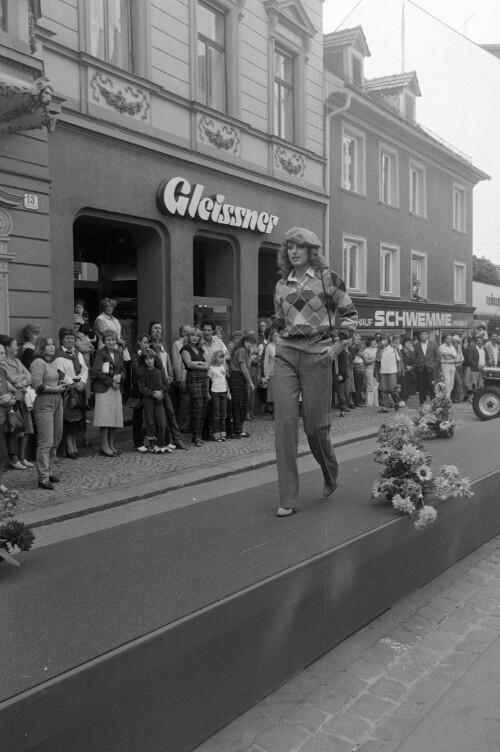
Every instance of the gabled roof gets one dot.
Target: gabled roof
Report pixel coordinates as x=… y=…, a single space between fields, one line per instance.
x=396 y=81
x=292 y=13
x=354 y=37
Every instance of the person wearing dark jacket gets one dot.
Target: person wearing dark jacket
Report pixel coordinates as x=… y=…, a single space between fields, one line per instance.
x=428 y=366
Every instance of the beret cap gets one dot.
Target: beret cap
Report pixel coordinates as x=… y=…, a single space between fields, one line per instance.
x=302 y=236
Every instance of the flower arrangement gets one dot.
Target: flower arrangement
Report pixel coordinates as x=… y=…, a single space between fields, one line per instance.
x=434 y=418
x=13 y=534
x=407 y=478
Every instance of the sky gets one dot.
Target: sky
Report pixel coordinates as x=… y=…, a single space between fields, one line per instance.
x=459 y=81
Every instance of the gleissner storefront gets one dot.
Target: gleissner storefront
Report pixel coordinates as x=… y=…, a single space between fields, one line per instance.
x=170 y=240
x=411 y=318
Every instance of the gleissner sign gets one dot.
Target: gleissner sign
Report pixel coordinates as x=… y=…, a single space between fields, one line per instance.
x=176 y=196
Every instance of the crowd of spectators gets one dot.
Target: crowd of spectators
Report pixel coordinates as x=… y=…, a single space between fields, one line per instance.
x=208 y=385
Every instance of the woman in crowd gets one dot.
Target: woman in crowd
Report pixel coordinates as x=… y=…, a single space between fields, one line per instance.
x=241 y=381
x=219 y=393
x=388 y=367
x=448 y=359
x=47 y=410
x=72 y=364
x=108 y=372
x=106 y=322
x=31 y=332
x=368 y=355
x=193 y=357
x=7 y=400
x=409 y=378
x=20 y=378
x=86 y=348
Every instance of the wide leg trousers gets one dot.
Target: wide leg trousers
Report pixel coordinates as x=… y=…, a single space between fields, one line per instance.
x=309 y=374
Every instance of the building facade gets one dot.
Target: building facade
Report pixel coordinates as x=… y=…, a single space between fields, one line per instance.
x=190 y=138
x=401 y=200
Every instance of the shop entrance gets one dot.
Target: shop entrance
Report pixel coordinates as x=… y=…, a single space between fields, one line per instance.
x=123 y=261
x=213 y=281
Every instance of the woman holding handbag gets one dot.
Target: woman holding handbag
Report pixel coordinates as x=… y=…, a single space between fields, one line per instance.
x=47 y=410
x=20 y=378
x=108 y=373
x=7 y=400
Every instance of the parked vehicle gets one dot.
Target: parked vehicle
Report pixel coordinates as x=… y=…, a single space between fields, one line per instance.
x=486 y=401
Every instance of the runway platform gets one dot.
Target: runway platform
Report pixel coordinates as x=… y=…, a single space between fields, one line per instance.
x=151 y=635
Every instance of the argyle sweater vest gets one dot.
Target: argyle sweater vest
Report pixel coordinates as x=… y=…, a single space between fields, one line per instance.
x=302 y=308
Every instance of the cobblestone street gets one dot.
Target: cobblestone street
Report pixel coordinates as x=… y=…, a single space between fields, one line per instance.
x=373 y=690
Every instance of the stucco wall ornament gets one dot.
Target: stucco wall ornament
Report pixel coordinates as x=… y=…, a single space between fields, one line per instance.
x=290 y=161
x=220 y=135
x=126 y=101
x=25 y=106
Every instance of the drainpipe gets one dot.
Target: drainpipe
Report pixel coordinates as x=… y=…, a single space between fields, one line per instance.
x=329 y=116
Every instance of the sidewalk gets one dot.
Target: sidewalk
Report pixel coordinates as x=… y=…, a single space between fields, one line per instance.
x=423 y=677
x=94 y=482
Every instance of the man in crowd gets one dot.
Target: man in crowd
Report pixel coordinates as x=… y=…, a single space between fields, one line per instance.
x=180 y=386
x=428 y=366
x=491 y=348
x=155 y=333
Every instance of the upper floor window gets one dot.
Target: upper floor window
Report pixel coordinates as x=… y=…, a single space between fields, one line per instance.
x=354 y=263
x=418 y=203
x=110 y=32
x=389 y=176
x=353 y=160
x=459 y=217
x=459 y=277
x=418 y=276
x=211 y=57
x=389 y=270
x=284 y=108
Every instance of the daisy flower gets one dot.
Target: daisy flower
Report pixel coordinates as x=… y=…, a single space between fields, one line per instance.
x=404 y=505
x=424 y=472
x=425 y=516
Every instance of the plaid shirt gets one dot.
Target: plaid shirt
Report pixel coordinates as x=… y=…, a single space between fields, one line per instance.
x=301 y=309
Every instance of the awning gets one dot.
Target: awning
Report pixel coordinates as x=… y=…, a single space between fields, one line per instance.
x=25 y=106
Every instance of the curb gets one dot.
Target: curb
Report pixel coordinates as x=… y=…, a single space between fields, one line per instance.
x=86 y=505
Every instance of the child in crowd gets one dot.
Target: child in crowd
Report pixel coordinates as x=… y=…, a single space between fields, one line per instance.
x=152 y=384
x=219 y=394
x=358 y=370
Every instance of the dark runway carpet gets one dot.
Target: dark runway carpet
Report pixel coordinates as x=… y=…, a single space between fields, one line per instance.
x=80 y=598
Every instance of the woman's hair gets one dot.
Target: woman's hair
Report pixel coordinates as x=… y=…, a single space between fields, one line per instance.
x=147 y=355
x=370 y=339
x=29 y=330
x=443 y=337
x=143 y=336
x=247 y=337
x=40 y=346
x=285 y=266
x=217 y=357
x=5 y=340
x=108 y=333
x=80 y=302
x=194 y=330
x=107 y=301
x=65 y=331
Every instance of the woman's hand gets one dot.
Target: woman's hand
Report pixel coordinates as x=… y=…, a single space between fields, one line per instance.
x=335 y=349
x=5 y=400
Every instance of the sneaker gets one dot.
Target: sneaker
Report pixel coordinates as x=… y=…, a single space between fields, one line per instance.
x=143 y=449
x=27 y=463
x=171 y=447
x=342 y=414
x=402 y=404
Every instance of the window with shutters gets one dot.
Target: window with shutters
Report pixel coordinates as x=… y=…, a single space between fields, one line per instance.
x=409 y=105
x=353 y=160
x=459 y=277
x=357 y=77
x=418 y=201
x=388 y=175
x=389 y=269
x=354 y=263
x=459 y=216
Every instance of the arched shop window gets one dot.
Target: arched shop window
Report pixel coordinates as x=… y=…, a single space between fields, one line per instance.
x=214 y=280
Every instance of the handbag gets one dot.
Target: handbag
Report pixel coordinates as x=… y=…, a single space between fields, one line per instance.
x=14 y=423
x=134 y=403
x=29 y=397
x=72 y=405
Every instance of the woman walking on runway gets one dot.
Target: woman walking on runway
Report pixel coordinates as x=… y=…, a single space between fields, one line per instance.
x=306 y=299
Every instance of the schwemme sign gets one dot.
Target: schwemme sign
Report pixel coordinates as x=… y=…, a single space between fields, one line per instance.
x=389 y=319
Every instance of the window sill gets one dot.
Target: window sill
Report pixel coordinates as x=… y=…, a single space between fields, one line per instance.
x=393 y=295
x=395 y=207
x=357 y=293
x=460 y=232
x=352 y=193
x=418 y=216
